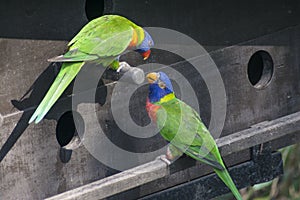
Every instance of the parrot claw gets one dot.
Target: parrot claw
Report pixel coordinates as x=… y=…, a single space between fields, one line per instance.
x=164 y=159
x=123 y=66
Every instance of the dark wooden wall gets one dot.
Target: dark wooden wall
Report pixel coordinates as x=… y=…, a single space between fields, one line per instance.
x=232 y=31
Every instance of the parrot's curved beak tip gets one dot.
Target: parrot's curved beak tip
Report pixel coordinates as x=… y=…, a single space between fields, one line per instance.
x=146 y=54
x=152 y=77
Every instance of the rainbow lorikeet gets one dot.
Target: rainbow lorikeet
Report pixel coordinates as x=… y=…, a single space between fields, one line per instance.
x=101 y=41
x=182 y=127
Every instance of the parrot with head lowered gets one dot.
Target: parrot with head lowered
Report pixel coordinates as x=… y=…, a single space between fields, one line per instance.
x=183 y=128
x=101 y=41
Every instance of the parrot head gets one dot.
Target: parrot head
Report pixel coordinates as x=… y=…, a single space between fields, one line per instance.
x=144 y=47
x=160 y=86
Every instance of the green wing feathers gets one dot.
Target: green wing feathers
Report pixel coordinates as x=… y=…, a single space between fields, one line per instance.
x=109 y=35
x=67 y=73
x=204 y=156
x=93 y=25
x=74 y=56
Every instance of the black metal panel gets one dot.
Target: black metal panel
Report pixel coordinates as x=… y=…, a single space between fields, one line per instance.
x=213 y=23
x=51 y=20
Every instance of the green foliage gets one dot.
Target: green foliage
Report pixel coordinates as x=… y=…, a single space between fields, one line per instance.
x=286 y=187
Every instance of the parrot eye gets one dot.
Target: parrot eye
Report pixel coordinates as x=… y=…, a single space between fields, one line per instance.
x=150 y=43
x=162 y=85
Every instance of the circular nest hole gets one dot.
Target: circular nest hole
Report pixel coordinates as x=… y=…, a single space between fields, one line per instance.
x=260 y=69
x=67 y=135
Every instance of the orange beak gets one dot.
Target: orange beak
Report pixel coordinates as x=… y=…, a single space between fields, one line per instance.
x=146 y=54
x=152 y=77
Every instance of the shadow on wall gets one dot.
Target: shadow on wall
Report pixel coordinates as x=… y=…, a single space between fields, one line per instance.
x=64 y=104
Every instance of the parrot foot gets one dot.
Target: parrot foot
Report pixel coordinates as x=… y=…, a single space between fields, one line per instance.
x=164 y=159
x=131 y=74
x=169 y=154
x=123 y=66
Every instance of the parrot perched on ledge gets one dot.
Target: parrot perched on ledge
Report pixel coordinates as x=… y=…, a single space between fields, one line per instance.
x=101 y=41
x=181 y=125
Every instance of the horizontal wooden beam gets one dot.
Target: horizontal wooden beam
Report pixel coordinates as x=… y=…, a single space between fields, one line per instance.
x=117 y=183
x=257 y=134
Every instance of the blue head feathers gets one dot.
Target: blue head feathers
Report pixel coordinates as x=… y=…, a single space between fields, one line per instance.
x=165 y=79
x=160 y=86
x=146 y=44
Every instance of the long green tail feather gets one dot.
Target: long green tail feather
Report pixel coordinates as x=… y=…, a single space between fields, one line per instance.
x=204 y=158
x=220 y=169
x=225 y=177
x=67 y=73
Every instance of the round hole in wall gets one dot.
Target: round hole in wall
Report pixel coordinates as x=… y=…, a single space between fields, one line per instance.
x=260 y=69
x=67 y=134
x=94 y=8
